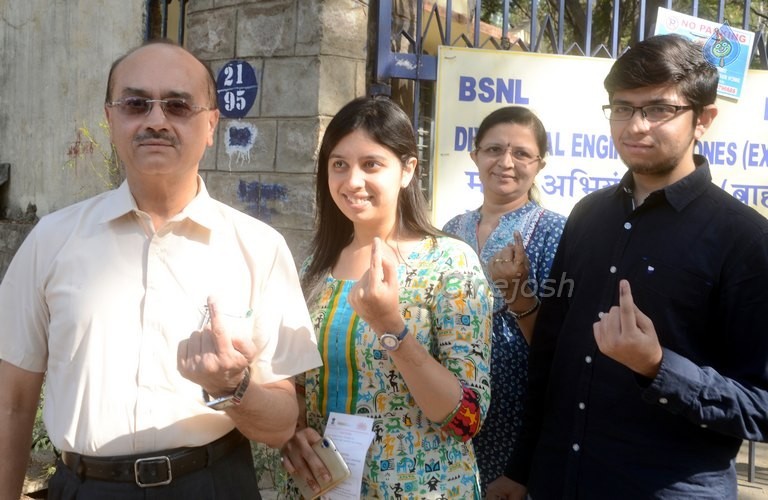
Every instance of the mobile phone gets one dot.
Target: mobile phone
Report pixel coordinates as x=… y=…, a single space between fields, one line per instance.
x=335 y=464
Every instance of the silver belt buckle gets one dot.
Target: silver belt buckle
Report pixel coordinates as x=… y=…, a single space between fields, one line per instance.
x=165 y=459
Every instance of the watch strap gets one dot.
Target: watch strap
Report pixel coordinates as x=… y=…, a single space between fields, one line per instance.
x=400 y=336
x=391 y=341
x=231 y=399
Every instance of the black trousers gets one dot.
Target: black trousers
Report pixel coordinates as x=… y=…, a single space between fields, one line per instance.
x=230 y=478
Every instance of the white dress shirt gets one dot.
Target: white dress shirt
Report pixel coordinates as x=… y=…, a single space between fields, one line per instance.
x=100 y=300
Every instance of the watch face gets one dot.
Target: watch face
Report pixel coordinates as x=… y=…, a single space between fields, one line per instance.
x=389 y=342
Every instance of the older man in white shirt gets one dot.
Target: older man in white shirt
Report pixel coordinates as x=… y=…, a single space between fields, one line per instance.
x=169 y=324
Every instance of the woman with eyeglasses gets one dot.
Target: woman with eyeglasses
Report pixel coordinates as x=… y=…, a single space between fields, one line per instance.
x=402 y=313
x=516 y=239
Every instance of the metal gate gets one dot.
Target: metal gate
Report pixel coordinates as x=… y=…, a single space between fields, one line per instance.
x=408 y=32
x=553 y=26
x=165 y=19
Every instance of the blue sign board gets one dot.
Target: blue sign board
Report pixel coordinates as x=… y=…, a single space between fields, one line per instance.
x=236 y=89
x=728 y=49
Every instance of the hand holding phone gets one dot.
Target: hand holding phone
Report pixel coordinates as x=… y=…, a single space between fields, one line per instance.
x=333 y=461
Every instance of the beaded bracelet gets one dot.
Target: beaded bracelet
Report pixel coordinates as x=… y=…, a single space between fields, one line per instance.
x=530 y=311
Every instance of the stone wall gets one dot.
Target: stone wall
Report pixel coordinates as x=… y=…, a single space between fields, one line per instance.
x=12 y=234
x=310 y=59
x=55 y=55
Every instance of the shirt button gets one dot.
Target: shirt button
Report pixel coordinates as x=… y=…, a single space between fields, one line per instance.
x=582 y=406
x=627 y=225
x=613 y=269
x=576 y=447
x=663 y=401
x=588 y=359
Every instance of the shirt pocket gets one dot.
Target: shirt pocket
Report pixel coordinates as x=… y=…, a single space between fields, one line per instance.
x=678 y=286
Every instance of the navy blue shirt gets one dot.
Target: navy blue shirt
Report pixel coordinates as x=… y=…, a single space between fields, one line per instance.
x=697 y=263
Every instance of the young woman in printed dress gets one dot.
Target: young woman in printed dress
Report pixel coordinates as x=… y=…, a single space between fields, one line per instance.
x=516 y=240
x=378 y=268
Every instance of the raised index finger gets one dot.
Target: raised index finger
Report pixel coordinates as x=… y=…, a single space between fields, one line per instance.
x=377 y=273
x=219 y=335
x=518 y=250
x=518 y=240
x=626 y=306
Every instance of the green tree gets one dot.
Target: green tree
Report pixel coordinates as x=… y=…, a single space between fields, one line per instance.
x=576 y=14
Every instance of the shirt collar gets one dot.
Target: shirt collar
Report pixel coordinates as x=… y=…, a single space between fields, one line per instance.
x=530 y=205
x=198 y=210
x=678 y=194
x=120 y=203
x=690 y=187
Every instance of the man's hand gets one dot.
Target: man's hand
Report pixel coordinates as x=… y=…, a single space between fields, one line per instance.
x=627 y=335
x=375 y=297
x=213 y=358
x=503 y=488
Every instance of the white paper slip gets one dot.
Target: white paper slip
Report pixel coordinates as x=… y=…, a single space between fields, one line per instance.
x=352 y=435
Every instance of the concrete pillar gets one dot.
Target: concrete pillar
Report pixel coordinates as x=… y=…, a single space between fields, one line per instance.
x=309 y=57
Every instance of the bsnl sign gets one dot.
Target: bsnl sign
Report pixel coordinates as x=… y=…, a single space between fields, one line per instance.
x=487 y=90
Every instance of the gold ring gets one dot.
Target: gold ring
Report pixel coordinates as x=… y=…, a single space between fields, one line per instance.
x=502 y=260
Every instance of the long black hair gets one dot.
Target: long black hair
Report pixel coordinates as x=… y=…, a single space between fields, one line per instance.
x=389 y=126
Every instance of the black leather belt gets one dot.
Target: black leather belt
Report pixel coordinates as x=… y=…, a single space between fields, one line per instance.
x=152 y=469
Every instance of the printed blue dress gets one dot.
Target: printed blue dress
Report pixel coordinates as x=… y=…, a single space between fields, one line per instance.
x=541 y=230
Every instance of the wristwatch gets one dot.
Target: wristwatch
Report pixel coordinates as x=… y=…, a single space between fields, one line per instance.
x=390 y=341
x=232 y=399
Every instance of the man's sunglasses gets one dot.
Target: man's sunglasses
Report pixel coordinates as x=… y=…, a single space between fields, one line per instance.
x=174 y=107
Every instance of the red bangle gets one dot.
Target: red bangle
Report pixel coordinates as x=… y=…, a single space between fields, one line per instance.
x=466 y=421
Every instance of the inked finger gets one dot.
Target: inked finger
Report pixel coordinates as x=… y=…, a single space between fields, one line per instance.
x=218 y=334
x=626 y=307
x=518 y=240
x=376 y=272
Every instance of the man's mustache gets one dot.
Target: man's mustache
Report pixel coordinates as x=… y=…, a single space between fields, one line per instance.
x=150 y=135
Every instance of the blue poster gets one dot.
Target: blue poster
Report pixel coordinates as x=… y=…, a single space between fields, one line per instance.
x=728 y=49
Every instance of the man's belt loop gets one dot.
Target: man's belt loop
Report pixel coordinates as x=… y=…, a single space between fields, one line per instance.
x=76 y=466
x=211 y=458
